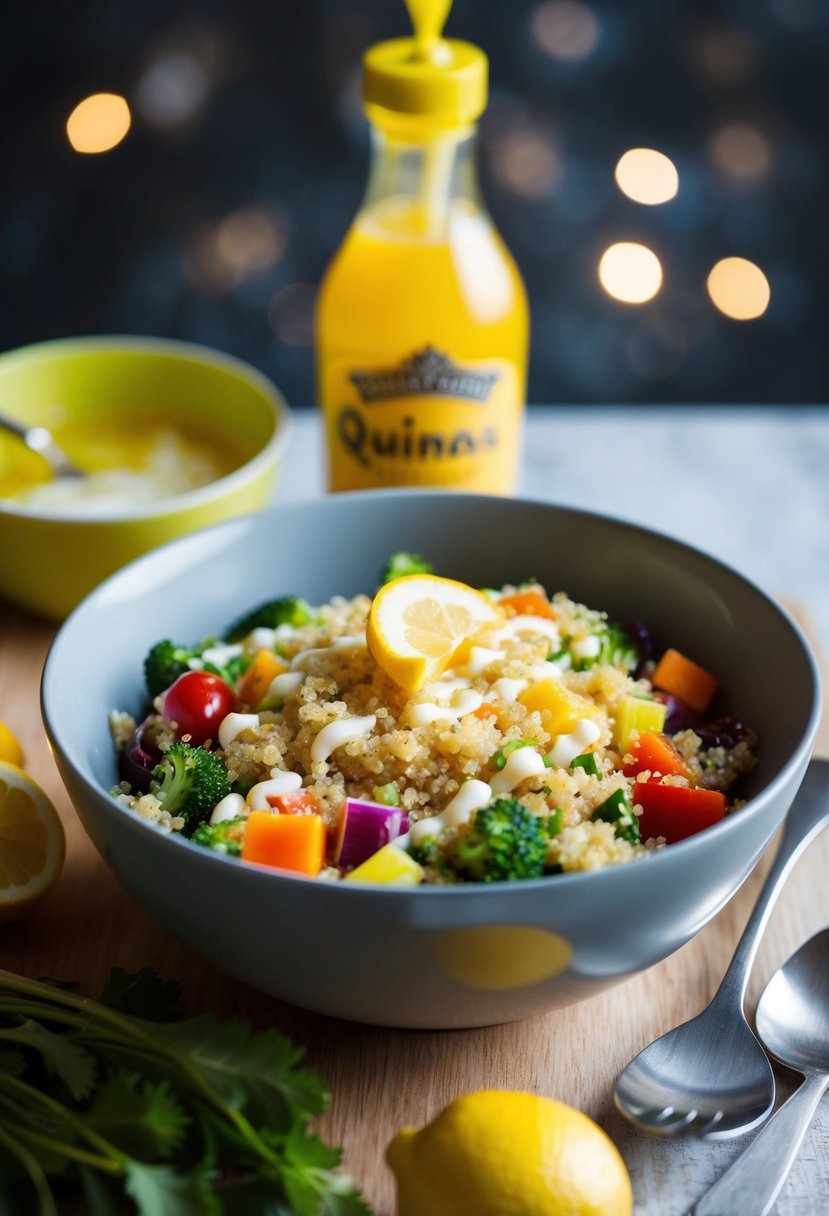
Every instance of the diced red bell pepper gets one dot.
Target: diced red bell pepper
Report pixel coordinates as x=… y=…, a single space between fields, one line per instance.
x=654 y=752
x=299 y=802
x=676 y=811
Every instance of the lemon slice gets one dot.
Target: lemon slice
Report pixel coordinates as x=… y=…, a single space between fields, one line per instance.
x=416 y=624
x=32 y=844
x=10 y=748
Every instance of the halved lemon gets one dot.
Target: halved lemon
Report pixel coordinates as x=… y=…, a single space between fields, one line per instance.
x=10 y=748
x=32 y=843
x=417 y=623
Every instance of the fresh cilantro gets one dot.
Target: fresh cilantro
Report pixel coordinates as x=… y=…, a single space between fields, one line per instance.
x=144 y=995
x=123 y=1102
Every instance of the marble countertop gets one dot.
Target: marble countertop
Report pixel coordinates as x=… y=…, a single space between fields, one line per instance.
x=748 y=484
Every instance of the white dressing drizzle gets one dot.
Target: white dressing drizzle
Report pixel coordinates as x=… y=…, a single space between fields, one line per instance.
x=567 y=747
x=232 y=726
x=230 y=807
x=524 y=762
x=280 y=783
x=335 y=734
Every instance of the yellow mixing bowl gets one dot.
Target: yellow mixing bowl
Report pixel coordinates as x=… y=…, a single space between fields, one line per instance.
x=50 y=558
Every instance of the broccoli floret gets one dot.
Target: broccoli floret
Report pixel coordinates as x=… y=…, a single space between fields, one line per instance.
x=189 y=781
x=165 y=662
x=401 y=564
x=504 y=840
x=617 y=649
x=427 y=853
x=225 y=837
x=289 y=610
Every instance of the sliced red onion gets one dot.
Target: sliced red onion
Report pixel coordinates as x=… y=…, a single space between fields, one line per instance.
x=367 y=827
x=137 y=760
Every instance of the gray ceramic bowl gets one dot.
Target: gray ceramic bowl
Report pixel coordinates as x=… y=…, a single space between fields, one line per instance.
x=439 y=956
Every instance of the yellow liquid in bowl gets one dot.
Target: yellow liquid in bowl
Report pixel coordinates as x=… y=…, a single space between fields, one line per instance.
x=127 y=464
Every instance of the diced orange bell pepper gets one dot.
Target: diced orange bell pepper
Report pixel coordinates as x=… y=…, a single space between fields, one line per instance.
x=676 y=811
x=298 y=802
x=679 y=676
x=289 y=842
x=265 y=667
x=560 y=709
x=528 y=603
x=654 y=752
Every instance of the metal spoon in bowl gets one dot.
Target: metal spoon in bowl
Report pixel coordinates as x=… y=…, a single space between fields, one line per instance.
x=793 y=1023
x=42 y=441
x=710 y=1076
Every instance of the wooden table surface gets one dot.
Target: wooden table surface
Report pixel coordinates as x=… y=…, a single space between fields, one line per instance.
x=381 y=1079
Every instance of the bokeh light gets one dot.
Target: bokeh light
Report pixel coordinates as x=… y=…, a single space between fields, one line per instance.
x=526 y=162
x=741 y=151
x=98 y=123
x=647 y=176
x=565 y=29
x=739 y=289
x=729 y=55
x=291 y=314
x=630 y=272
x=219 y=257
x=172 y=89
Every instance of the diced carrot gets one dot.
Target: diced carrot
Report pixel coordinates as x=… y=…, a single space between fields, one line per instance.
x=487 y=710
x=679 y=676
x=528 y=603
x=654 y=751
x=289 y=842
x=298 y=802
x=265 y=667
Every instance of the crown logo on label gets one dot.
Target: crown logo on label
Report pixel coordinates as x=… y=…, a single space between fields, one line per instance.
x=427 y=373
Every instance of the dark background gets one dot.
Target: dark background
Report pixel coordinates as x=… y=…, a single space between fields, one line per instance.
x=214 y=219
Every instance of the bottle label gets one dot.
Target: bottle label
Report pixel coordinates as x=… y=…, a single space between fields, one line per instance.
x=428 y=420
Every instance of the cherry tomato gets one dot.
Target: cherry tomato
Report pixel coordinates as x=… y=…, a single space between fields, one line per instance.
x=195 y=704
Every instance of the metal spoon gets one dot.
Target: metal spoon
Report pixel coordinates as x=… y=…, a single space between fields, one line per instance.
x=42 y=441
x=710 y=1076
x=793 y=1022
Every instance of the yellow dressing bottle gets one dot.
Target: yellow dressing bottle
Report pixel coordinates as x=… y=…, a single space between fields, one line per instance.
x=422 y=323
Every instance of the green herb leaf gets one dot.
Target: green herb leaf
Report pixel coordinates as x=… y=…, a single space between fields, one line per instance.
x=142 y=1119
x=309 y=1186
x=256 y=1073
x=24 y=1187
x=61 y=1056
x=101 y=1196
x=192 y=1118
x=159 y=1189
x=254 y=1196
x=12 y=1064
x=143 y=995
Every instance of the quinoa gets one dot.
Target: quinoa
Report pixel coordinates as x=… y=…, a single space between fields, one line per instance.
x=424 y=748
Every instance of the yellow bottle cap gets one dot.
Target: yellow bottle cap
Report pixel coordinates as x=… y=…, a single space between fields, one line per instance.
x=439 y=78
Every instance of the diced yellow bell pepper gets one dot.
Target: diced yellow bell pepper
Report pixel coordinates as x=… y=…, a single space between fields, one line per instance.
x=560 y=709
x=389 y=866
x=637 y=714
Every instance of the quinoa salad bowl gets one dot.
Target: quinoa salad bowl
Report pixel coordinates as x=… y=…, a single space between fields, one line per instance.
x=457 y=760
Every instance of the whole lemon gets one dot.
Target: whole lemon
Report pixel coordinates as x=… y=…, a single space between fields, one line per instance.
x=499 y=1153
x=10 y=749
